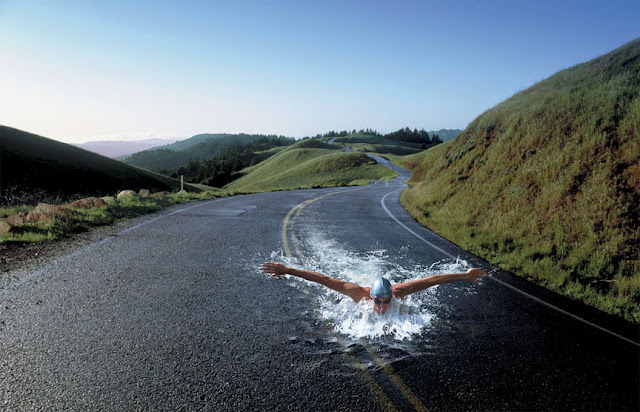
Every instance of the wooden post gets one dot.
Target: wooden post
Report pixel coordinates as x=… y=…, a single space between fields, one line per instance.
x=181 y=183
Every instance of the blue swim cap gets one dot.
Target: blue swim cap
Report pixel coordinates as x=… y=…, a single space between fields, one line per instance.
x=381 y=288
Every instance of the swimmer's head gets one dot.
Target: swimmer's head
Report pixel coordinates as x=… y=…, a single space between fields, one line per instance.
x=381 y=288
x=381 y=295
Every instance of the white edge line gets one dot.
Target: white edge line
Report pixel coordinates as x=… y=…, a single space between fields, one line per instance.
x=549 y=305
x=411 y=231
x=513 y=288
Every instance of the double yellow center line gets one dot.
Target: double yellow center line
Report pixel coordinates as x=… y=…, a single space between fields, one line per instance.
x=367 y=378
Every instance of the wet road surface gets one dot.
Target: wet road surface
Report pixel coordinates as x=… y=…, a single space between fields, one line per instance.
x=172 y=313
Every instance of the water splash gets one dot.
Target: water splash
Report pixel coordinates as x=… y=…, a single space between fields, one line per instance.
x=404 y=320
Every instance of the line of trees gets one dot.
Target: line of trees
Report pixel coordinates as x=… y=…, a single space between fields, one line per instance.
x=402 y=135
x=414 y=136
x=346 y=133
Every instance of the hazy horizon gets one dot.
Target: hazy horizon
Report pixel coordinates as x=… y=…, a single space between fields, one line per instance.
x=84 y=71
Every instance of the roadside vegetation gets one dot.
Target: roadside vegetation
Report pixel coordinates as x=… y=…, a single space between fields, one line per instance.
x=547 y=184
x=80 y=219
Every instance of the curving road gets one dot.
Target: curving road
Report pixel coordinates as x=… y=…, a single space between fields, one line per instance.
x=171 y=313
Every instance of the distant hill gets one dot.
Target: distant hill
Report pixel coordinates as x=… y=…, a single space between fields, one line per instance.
x=194 y=140
x=34 y=168
x=446 y=134
x=116 y=149
x=235 y=161
x=547 y=183
x=373 y=139
x=310 y=163
x=199 y=147
x=376 y=143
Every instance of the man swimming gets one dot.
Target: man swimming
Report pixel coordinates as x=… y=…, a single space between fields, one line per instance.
x=382 y=291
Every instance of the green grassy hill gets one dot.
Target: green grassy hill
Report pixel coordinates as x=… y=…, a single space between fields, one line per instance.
x=310 y=163
x=34 y=168
x=364 y=143
x=547 y=183
x=199 y=147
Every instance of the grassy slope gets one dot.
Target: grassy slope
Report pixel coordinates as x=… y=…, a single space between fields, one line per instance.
x=34 y=164
x=547 y=183
x=309 y=163
x=368 y=139
x=360 y=142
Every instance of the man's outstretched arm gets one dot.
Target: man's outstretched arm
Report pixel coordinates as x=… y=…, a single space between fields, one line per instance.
x=354 y=291
x=400 y=290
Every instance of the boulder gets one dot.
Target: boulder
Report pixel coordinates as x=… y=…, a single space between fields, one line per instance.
x=5 y=227
x=53 y=209
x=159 y=194
x=46 y=213
x=144 y=193
x=87 y=203
x=126 y=193
x=16 y=220
x=108 y=199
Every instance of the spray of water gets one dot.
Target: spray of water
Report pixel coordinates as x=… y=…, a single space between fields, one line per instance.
x=404 y=320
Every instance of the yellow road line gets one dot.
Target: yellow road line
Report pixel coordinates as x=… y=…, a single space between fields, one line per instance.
x=296 y=245
x=369 y=381
x=285 y=238
x=296 y=210
x=391 y=373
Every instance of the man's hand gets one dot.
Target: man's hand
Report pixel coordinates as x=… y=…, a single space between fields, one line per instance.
x=474 y=274
x=277 y=270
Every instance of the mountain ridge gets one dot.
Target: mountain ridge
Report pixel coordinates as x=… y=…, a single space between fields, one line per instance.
x=116 y=149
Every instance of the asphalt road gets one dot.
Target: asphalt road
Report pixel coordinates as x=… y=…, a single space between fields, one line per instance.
x=171 y=313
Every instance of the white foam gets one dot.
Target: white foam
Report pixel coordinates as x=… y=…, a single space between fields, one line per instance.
x=404 y=320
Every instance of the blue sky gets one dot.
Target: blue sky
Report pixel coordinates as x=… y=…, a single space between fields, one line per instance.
x=78 y=71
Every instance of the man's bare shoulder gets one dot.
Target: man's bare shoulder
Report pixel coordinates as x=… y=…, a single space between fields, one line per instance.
x=400 y=290
x=358 y=293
